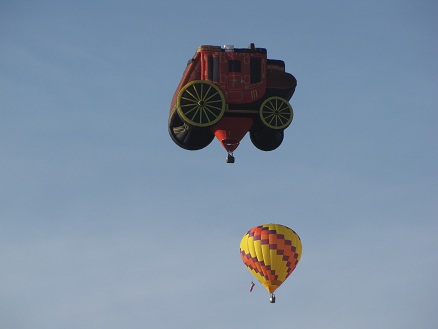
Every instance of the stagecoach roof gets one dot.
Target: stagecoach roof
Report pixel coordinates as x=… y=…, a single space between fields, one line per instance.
x=236 y=50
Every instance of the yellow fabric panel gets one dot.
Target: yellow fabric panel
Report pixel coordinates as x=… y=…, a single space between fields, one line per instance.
x=254 y=249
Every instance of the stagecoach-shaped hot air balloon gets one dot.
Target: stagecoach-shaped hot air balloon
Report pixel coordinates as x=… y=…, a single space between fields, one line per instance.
x=226 y=92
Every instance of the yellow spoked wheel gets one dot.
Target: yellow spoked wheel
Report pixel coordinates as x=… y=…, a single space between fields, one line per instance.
x=201 y=103
x=276 y=113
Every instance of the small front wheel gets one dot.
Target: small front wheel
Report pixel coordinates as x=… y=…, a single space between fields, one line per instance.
x=276 y=113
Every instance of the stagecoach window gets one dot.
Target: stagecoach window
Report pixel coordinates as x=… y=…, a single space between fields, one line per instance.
x=256 y=69
x=233 y=65
x=213 y=68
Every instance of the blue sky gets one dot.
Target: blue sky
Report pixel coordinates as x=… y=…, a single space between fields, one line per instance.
x=105 y=223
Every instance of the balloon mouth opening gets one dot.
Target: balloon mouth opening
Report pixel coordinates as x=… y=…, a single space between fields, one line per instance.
x=271 y=286
x=230 y=144
x=230 y=131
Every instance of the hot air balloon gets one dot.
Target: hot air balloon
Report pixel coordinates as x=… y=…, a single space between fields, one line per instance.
x=271 y=252
x=226 y=92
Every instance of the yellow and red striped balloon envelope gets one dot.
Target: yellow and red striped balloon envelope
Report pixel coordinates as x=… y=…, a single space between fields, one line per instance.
x=271 y=252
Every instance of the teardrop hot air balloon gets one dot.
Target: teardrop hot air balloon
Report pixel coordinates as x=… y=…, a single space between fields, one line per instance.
x=271 y=252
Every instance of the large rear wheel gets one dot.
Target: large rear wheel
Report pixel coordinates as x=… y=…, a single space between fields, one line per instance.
x=201 y=103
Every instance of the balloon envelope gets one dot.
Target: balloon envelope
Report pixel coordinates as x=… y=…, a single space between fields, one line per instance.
x=271 y=252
